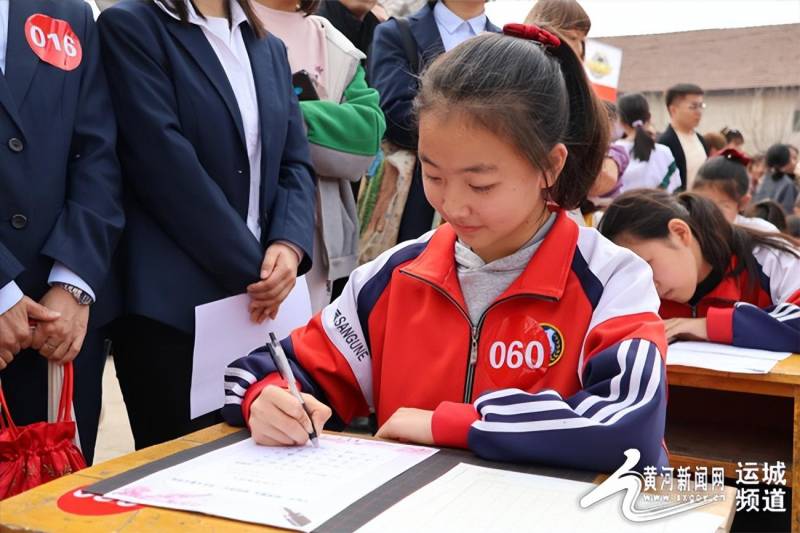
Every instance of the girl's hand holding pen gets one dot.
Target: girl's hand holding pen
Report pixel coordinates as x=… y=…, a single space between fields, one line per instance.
x=277 y=418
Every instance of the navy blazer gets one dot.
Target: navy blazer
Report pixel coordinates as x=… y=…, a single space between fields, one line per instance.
x=60 y=187
x=670 y=139
x=185 y=164
x=390 y=72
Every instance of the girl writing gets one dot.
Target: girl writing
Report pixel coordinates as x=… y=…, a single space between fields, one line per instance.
x=508 y=330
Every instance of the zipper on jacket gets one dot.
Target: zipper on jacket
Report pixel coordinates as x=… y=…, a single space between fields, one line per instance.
x=711 y=302
x=473 y=359
x=475 y=330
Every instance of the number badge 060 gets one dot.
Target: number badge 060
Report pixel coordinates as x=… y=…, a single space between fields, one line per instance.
x=53 y=41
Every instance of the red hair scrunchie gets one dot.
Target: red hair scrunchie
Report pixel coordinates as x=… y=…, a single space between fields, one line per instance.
x=735 y=155
x=531 y=32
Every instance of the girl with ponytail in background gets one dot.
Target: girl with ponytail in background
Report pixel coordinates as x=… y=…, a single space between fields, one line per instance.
x=651 y=164
x=723 y=179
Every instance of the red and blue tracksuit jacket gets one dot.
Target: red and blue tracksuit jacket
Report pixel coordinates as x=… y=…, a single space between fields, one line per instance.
x=566 y=367
x=762 y=313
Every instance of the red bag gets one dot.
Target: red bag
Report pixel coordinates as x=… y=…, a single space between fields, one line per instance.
x=35 y=454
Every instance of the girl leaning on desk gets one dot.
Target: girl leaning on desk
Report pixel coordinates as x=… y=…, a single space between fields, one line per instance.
x=508 y=330
x=717 y=281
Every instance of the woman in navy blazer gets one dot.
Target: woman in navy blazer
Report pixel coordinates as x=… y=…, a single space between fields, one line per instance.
x=196 y=121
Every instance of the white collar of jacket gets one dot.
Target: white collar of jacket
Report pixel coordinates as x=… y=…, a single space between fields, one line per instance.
x=451 y=22
x=237 y=13
x=343 y=60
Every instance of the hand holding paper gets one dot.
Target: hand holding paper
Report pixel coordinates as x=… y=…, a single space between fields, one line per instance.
x=278 y=274
x=224 y=332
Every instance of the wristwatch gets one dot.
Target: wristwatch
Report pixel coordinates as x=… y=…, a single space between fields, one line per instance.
x=80 y=296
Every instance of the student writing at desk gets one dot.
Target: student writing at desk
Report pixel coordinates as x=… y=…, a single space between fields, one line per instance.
x=717 y=281
x=508 y=330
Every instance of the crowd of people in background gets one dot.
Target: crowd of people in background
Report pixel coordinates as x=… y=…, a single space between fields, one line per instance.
x=243 y=143
x=681 y=159
x=766 y=194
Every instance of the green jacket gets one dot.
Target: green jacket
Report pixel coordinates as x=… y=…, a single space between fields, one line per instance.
x=344 y=132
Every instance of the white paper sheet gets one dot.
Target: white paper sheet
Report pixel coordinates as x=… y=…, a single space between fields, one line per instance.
x=472 y=498
x=723 y=357
x=224 y=332
x=295 y=488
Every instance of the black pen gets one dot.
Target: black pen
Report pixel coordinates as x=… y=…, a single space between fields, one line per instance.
x=285 y=370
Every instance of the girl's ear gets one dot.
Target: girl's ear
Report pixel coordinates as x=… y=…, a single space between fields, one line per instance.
x=680 y=230
x=744 y=201
x=557 y=158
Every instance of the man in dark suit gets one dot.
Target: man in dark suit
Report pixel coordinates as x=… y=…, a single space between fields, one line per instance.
x=685 y=105
x=60 y=206
x=434 y=29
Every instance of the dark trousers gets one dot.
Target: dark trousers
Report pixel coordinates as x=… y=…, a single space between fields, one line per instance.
x=154 y=368
x=417 y=216
x=25 y=388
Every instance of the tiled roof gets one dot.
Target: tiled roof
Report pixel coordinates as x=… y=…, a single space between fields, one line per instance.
x=723 y=59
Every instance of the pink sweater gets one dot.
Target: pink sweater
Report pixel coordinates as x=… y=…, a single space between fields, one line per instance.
x=304 y=38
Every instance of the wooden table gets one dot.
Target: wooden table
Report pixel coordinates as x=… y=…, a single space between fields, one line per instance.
x=36 y=510
x=721 y=418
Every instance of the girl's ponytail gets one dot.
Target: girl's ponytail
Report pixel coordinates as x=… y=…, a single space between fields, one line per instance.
x=634 y=111
x=713 y=232
x=643 y=144
x=720 y=240
x=777 y=157
x=588 y=133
